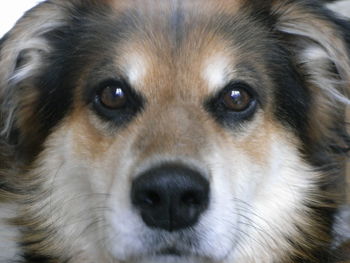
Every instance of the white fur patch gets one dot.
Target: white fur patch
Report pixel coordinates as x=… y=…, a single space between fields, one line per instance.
x=135 y=68
x=254 y=207
x=314 y=52
x=216 y=71
x=8 y=235
x=341 y=7
x=274 y=210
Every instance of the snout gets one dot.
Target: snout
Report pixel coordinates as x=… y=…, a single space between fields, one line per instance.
x=170 y=197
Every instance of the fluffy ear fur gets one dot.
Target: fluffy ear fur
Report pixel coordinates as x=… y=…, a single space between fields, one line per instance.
x=23 y=52
x=319 y=33
x=319 y=42
x=320 y=47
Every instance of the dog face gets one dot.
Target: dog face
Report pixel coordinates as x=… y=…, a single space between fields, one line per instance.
x=173 y=131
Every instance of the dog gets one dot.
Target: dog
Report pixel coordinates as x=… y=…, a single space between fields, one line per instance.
x=174 y=131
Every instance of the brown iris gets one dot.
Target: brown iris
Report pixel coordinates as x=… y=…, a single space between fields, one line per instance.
x=113 y=97
x=237 y=99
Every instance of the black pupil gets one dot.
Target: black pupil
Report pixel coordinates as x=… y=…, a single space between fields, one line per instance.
x=237 y=100
x=113 y=97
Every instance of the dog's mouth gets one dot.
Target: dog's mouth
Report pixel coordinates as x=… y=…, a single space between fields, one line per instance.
x=176 y=251
x=172 y=252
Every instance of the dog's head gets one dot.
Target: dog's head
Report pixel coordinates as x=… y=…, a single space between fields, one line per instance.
x=174 y=131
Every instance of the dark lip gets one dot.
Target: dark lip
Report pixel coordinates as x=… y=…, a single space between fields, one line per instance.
x=171 y=252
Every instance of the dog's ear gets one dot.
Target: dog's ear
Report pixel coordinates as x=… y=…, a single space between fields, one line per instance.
x=319 y=44
x=23 y=54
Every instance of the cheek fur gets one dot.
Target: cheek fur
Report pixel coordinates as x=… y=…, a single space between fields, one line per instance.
x=248 y=200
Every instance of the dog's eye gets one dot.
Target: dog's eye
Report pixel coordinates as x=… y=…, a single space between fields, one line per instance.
x=113 y=96
x=236 y=102
x=115 y=100
x=236 y=99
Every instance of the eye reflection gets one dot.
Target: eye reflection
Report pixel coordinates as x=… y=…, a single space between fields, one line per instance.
x=237 y=99
x=113 y=97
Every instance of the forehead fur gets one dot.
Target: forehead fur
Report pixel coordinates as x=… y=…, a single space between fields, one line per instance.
x=178 y=40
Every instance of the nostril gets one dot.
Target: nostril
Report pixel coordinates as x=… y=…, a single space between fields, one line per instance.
x=191 y=198
x=150 y=199
x=147 y=199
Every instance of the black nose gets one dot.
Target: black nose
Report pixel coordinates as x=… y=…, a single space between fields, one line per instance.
x=170 y=197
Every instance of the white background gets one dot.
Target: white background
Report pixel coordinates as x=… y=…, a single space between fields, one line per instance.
x=11 y=10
